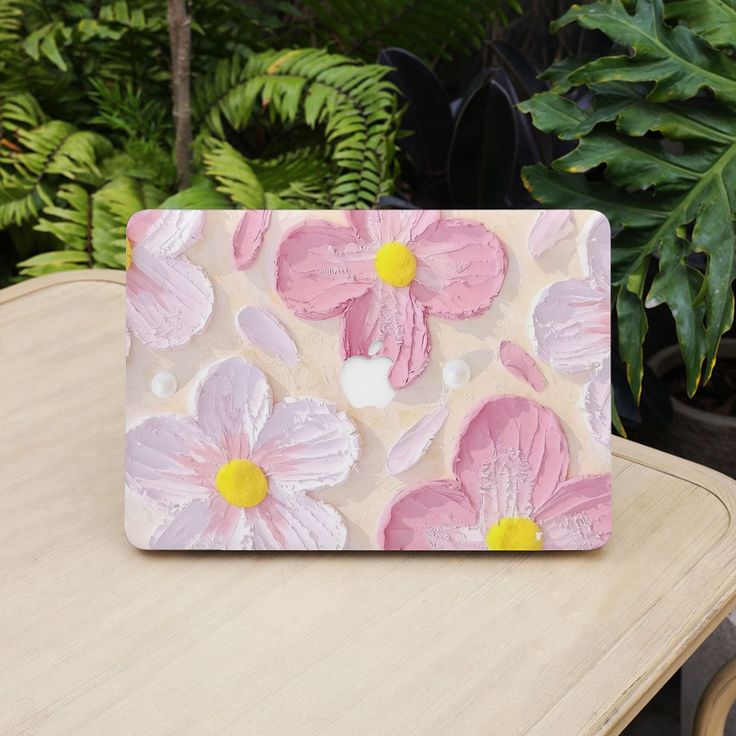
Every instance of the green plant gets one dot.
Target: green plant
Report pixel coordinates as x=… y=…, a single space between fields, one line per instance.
x=432 y=29
x=656 y=152
x=87 y=135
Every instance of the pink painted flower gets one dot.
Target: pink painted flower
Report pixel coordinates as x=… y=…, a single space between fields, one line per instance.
x=385 y=272
x=572 y=319
x=169 y=299
x=572 y=325
x=248 y=237
x=510 y=490
x=238 y=473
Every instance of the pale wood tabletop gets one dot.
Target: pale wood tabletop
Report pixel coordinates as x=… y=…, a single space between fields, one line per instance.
x=98 y=637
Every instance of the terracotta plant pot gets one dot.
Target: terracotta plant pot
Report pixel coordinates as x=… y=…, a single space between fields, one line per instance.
x=704 y=437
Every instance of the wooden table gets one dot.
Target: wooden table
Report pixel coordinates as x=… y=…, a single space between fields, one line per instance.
x=97 y=637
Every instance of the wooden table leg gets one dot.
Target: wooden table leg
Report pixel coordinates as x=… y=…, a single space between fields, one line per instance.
x=716 y=702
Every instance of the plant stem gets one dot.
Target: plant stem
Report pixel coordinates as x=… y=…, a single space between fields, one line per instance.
x=180 y=35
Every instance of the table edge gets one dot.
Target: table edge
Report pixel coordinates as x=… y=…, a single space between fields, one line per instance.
x=38 y=283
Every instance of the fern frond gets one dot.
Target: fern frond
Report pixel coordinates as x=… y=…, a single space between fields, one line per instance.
x=292 y=180
x=234 y=175
x=353 y=105
x=53 y=261
x=92 y=223
x=54 y=148
x=201 y=195
x=20 y=111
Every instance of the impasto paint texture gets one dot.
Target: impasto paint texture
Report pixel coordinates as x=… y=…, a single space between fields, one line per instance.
x=386 y=273
x=263 y=329
x=169 y=299
x=254 y=445
x=238 y=473
x=509 y=491
x=411 y=446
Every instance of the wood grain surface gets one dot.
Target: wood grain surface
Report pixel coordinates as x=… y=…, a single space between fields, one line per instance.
x=97 y=637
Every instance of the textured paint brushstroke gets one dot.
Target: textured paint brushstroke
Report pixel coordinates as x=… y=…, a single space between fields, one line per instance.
x=594 y=249
x=169 y=299
x=409 y=449
x=597 y=404
x=248 y=237
x=263 y=329
x=510 y=471
x=299 y=446
x=572 y=319
x=454 y=269
x=550 y=227
x=520 y=364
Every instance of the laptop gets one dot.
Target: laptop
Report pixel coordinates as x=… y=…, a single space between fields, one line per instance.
x=368 y=380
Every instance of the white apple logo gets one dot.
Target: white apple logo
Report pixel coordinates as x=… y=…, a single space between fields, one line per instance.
x=365 y=380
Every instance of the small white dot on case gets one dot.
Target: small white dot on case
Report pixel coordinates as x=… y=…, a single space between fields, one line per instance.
x=163 y=385
x=456 y=373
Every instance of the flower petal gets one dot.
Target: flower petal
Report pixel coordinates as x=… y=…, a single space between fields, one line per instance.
x=409 y=449
x=597 y=403
x=384 y=226
x=460 y=268
x=393 y=317
x=211 y=524
x=169 y=460
x=594 y=245
x=511 y=455
x=169 y=300
x=321 y=267
x=306 y=444
x=434 y=515
x=165 y=232
x=572 y=326
x=232 y=404
x=296 y=523
x=578 y=514
x=264 y=330
x=550 y=227
x=520 y=364
x=248 y=237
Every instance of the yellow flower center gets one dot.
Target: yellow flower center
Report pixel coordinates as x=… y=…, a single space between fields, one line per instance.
x=241 y=483
x=396 y=264
x=514 y=533
x=128 y=254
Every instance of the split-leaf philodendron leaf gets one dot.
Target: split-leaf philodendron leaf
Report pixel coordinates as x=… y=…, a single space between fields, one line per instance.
x=662 y=127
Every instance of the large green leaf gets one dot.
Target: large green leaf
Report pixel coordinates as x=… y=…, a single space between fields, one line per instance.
x=715 y=21
x=667 y=152
x=676 y=59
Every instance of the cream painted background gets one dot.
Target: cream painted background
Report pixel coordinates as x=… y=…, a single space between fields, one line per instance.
x=364 y=496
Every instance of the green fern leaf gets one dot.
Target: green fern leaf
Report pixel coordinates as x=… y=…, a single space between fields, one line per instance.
x=351 y=104
x=93 y=222
x=54 y=148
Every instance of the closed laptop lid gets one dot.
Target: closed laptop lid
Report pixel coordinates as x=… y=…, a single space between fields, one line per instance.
x=368 y=380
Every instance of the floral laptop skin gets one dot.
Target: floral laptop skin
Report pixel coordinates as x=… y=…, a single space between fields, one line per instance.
x=368 y=380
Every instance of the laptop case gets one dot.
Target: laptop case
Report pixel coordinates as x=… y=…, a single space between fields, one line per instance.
x=368 y=380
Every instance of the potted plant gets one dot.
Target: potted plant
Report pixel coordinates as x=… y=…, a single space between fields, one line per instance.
x=656 y=153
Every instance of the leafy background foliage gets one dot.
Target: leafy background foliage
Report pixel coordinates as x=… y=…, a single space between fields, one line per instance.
x=655 y=127
x=86 y=135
